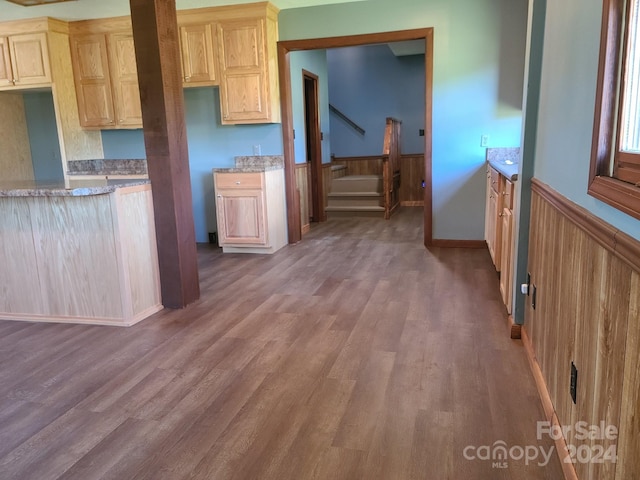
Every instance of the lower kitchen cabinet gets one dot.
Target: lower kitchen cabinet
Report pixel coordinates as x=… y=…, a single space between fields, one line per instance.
x=251 y=210
x=506 y=262
x=499 y=230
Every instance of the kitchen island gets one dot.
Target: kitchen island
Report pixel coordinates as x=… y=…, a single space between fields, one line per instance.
x=78 y=255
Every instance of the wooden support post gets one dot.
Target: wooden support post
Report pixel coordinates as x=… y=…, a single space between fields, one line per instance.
x=155 y=34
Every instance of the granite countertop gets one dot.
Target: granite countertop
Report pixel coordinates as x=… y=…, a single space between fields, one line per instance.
x=505 y=161
x=256 y=169
x=105 y=166
x=39 y=189
x=254 y=164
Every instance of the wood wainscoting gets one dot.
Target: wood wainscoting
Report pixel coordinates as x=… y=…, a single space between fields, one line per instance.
x=303 y=186
x=411 y=174
x=302 y=183
x=586 y=279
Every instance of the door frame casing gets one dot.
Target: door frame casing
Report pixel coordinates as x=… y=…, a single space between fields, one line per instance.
x=284 y=67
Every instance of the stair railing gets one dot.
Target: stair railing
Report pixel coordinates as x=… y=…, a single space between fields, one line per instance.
x=391 y=166
x=349 y=122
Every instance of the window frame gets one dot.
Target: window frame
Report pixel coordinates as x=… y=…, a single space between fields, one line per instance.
x=602 y=185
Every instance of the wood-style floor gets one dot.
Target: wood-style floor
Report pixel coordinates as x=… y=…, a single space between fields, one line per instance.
x=356 y=354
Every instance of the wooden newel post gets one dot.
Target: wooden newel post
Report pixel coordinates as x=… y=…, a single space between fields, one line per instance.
x=156 y=39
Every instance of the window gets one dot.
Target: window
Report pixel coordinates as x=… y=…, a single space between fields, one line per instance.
x=615 y=157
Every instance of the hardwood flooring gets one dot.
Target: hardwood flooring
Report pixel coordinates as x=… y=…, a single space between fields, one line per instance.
x=356 y=354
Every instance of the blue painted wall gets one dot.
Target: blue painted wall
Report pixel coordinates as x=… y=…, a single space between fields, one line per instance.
x=314 y=61
x=123 y=144
x=479 y=51
x=369 y=84
x=43 y=136
x=567 y=102
x=210 y=144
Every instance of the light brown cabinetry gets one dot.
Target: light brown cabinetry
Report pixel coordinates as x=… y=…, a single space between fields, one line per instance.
x=232 y=46
x=506 y=273
x=499 y=230
x=124 y=77
x=493 y=226
x=24 y=61
x=250 y=211
x=244 y=90
x=93 y=84
x=105 y=74
x=198 y=55
x=245 y=46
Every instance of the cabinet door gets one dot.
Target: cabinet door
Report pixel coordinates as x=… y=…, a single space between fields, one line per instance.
x=243 y=80
x=198 y=59
x=30 y=59
x=6 y=77
x=241 y=217
x=491 y=224
x=93 y=83
x=506 y=267
x=487 y=209
x=124 y=76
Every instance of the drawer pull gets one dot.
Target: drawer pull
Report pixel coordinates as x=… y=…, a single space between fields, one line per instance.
x=238 y=182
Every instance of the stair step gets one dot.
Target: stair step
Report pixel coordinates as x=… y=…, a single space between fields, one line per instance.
x=339 y=200
x=355 y=211
x=354 y=194
x=357 y=183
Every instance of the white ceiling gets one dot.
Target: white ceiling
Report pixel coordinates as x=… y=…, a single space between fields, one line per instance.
x=83 y=9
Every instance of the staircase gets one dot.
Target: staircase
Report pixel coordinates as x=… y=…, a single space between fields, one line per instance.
x=356 y=195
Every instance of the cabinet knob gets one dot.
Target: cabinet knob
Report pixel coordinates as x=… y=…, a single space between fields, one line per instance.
x=187 y=79
x=238 y=182
x=219 y=196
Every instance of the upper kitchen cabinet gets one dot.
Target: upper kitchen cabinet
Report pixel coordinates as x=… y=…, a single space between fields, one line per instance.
x=243 y=60
x=105 y=74
x=24 y=57
x=124 y=77
x=198 y=54
x=247 y=53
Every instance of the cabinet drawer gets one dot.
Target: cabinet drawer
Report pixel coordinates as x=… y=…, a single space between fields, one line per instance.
x=238 y=180
x=507 y=195
x=495 y=180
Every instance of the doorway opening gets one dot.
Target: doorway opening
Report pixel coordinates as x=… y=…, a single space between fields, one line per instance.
x=284 y=48
x=313 y=146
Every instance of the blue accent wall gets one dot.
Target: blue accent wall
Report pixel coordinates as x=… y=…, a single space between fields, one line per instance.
x=479 y=49
x=313 y=61
x=369 y=84
x=43 y=136
x=123 y=144
x=210 y=145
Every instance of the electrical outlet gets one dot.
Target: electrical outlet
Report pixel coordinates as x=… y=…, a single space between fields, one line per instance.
x=573 y=388
x=484 y=140
x=257 y=150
